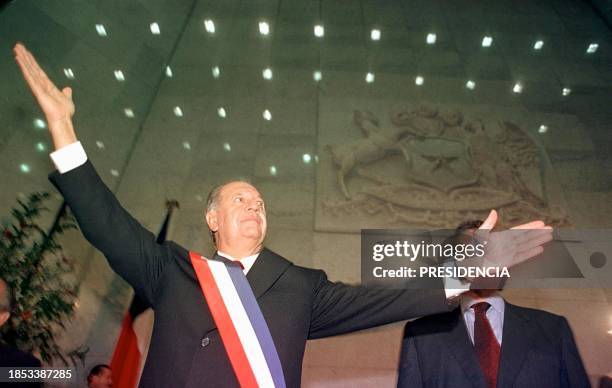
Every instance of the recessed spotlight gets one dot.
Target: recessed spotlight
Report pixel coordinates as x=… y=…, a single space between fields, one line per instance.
x=267 y=73
x=187 y=145
x=169 y=73
x=227 y=147
x=517 y=88
x=128 y=112
x=543 y=128
x=306 y=158
x=69 y=73
x=41 y=147
x=317 y=75
x=25 y=168
x=369 y=78
x=592 y=48
x=210 y=26
x=470 y=84
x=273 y=170
x=487 y=41
x=538 y=45
x=99 y=144
x=40 y=124
x=216 y=72
x=178 y=112
x=264 y=28
x=319 y=31
x=119 y=76
x=221 y=112
x=267 y=115
x=431 y=38
x=101 y=30
x=419 y=80
x=114 y=172
x=155 y=29
x=566 y=91
x=375 y=34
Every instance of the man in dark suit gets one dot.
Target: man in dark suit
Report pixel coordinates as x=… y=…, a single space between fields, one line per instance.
x=487 y=343
x=186 y=349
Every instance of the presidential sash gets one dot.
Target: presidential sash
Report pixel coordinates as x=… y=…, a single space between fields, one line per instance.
x=243 y=329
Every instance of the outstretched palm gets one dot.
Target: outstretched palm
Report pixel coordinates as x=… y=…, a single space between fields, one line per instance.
x=56 y=105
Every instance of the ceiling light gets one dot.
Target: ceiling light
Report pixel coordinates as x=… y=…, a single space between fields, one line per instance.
x=517 y=88
x=592 y=48
x=155 y=29
x=209 y=25
x=319 y=31
x=114 y=172
x=169 y=73
x=369 y=78
x=273 y=170
x=470 y=85
x=267 y=115
x=431 y=38
x=41 y=147
x=306 y=158
x=419 y=80
x=264 y=28
x=227 y=147
x=487 y=41
x=543 y=128
x=538 y=45
x=566 y=91
x=186 y=145
x=221 y=112
x=119 y=76
x=375 y=34
x=267 y=73
x=216 y=72
x=25 y=168
x=99 y=144
x=69 y=73
x=128 y=112
x=40 y=124
x=100 y=29
x=178 y=112
x=317 y=75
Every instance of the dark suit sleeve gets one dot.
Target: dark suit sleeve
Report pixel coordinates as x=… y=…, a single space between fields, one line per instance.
x=409 y=369
x=131 y=250
x=572 y=367
x=339 y=308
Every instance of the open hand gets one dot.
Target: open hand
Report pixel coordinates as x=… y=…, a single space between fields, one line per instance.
x=56 y=105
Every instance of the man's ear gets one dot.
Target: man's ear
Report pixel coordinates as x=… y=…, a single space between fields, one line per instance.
x=212 y=221
x=4 y=316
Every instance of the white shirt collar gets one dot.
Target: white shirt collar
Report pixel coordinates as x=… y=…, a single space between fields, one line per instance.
x=247 y=262
x=495 y=300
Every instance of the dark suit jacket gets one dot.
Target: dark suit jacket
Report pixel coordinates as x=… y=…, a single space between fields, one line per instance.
x=186 y=349
x=538 y=350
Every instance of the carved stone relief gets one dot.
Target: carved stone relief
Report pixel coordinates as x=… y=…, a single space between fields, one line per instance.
x=434 y=168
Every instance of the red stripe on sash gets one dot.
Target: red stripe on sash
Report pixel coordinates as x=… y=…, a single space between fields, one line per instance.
x=224 y=323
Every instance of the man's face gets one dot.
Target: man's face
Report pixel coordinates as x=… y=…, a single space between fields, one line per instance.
x=102 y=380
x=240 y=215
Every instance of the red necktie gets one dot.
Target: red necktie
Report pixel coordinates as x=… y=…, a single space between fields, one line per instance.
x=486 y=345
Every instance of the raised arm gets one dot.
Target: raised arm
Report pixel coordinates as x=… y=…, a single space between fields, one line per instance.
x=130 y=249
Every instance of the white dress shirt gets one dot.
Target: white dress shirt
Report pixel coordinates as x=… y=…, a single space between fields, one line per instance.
x=246 y=262
x=495 y=313
x=72 y=156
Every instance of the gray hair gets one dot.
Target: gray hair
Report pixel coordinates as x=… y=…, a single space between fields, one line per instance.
x=6 y=296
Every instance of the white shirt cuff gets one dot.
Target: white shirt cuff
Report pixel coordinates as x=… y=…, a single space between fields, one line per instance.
x=69 y=157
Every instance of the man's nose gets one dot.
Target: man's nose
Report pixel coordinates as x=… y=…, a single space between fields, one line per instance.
x=253 y=206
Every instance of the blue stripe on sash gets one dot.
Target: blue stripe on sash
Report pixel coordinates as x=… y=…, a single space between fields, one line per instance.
x=259 y=324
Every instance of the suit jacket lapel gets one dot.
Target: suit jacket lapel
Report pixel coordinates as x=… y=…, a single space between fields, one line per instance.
x=458 y=341
x=267 y=269
x=518 y=336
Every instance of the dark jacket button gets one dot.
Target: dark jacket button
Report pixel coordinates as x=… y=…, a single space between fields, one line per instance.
x=205 y=342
